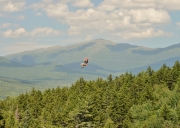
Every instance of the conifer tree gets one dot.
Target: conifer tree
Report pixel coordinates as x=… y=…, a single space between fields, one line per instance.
x=150 y=71
x=1 y=118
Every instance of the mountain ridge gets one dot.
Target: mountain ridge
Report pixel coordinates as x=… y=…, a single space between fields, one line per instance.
x=8 y=63
x=105 y=53
x=56 y=66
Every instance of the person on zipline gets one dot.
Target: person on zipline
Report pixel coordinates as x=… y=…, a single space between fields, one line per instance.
x=85 y=62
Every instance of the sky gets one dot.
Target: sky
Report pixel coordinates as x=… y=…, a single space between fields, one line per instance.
x=27 y=25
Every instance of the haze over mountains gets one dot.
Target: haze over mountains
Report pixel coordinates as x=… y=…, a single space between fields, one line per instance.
x=60 y=65
x=103 y=53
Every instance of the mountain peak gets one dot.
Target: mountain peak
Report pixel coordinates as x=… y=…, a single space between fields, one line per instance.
x=102 y=41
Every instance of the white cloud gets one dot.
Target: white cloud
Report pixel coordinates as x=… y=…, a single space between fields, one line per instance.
x=82 y=3
x=73 y=30
x=168 y=4
x=17 y=33
x=44 y=32
x=88 y=38
x=21 y=32
x=20 y=17
x=106 y=7
x=6 y=25
x=157 y=4
x=111 y=16
x=178 y=24
x=149 y=16
x=47 y=1
x=148 y=33
x=59 y=10
x=9 y=25
x=38 y=14
x=2 y=15
x=11 y=16
x=17 y=47
x=12 y=5
x=88 y=21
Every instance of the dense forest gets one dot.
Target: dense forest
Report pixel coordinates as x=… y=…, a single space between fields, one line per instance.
x=149 y=99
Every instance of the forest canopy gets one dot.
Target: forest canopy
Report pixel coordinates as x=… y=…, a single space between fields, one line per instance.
x=145 y=100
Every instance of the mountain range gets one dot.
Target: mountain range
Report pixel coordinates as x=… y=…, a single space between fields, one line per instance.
x=104 y=53
x=60 y=65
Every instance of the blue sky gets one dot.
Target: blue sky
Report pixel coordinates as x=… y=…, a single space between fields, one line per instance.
x=27 y=25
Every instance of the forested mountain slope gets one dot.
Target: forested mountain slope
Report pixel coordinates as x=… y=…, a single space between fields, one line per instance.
x=104 y=53
x=148 y=99
x=7 y=63
x=60 y=65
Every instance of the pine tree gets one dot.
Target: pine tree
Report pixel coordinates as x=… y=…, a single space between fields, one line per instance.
x=2 y=123
x=161 y=75
x=109 y=123
x=165 y=112
x=150 y=71
x=26 y=120
x=176 y=71
x=81 y=116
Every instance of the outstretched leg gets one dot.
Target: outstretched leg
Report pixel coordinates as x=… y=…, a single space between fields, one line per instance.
x=82 y=65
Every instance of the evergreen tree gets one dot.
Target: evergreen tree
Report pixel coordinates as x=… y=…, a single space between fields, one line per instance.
x=1 y=119
x=150 y=71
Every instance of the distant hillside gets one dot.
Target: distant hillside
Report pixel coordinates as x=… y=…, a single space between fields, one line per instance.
x=50 y=74
x=10 y=87
x=60 y=65
x=155 y=66
x=103 y=53
x=7 y=63
x=157 y=51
